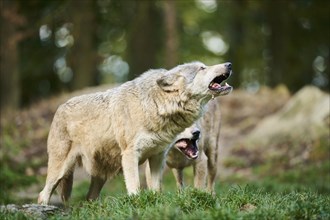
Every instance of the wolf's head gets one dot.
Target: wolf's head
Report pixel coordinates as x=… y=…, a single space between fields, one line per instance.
x=186 y=142
x=197 y=79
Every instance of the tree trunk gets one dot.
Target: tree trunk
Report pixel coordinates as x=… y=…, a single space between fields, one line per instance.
x=11 y=20
x=277 y=41
x=236 y=32
x=171 y=45
x=83 y=54
x=142 y=41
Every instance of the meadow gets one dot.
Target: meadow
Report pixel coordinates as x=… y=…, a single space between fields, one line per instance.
x=284 y=177
x=285 y=197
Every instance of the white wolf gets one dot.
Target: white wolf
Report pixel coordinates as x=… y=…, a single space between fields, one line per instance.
x=200 y=151
x=122 y=127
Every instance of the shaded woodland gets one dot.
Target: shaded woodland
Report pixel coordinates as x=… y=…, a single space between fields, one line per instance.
x=48 y=47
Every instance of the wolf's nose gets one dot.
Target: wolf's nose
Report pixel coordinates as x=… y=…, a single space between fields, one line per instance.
x=196 y=134
x=228 y=66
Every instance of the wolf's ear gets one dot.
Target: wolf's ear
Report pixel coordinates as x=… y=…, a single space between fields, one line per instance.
x=169 y=82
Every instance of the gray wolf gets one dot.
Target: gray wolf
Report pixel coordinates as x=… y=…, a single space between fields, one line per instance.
x=200 y=151
x=122 y=127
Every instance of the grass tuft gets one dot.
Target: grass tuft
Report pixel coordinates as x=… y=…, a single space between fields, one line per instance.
x=236 y=202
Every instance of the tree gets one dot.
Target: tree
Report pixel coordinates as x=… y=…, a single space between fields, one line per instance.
x=171 y=31
x=11 y=21
x=143 y=38
x=236 y=30
x=84 y=51
x=278 y=24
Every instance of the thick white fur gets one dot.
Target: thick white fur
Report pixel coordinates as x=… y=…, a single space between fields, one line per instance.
x=122 y=127
x=205 y=166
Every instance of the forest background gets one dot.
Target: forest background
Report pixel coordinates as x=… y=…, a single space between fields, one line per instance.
x=275 y=133
x=48 y=47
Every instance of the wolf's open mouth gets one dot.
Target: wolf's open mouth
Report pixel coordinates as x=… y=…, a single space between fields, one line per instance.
x=188 y=147
x=220 y=85
x=217 y=81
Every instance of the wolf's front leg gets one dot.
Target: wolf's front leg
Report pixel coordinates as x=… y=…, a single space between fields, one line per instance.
x=130 y=164
x=156 y=166
x=200 y=171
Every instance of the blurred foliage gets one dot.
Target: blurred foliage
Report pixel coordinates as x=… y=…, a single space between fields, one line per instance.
x=51 y=46
x=12 y=174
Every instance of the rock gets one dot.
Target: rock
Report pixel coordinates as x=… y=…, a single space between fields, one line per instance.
x=37 y=211
x=306 y=112
x=9 y=208
x=291 y=135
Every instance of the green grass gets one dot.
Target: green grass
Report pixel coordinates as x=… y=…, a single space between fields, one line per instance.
x=285 y=197
x=301 y=193
x=293 y=194
x=194 y=204
x=238 y=202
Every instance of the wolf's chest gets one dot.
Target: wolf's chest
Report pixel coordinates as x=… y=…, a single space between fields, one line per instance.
x=150 y=144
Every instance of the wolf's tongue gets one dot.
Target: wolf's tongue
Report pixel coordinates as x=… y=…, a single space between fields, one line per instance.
x=191 y=153
x=182 y=144
x=215 y=86
x=188 y=147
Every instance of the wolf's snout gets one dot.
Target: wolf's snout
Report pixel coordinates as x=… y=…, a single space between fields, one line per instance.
x=228 y=66
x=196 y=134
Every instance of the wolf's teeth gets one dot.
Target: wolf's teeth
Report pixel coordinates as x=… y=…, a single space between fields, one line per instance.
x=226 y=84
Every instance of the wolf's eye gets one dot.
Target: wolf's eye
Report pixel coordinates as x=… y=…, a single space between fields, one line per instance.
x=202 y=68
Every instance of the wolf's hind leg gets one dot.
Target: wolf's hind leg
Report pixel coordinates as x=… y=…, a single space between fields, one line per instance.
x=59 y=167
x=178 y=175
x=95 y=187
x=65 y=186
